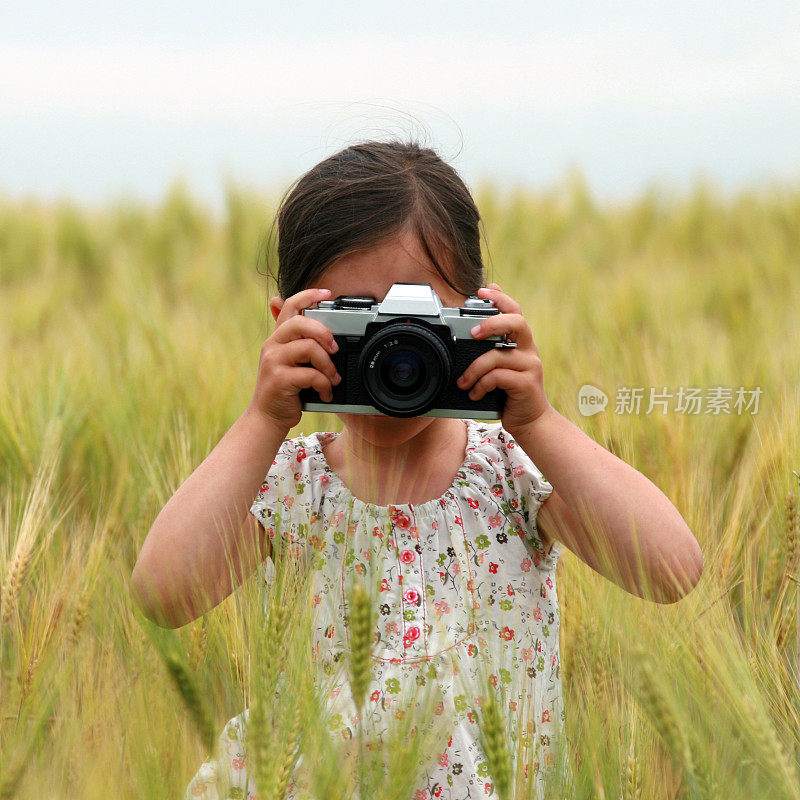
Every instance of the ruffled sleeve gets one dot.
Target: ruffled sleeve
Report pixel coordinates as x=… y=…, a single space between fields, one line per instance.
x=283 y=504
x=531 y=488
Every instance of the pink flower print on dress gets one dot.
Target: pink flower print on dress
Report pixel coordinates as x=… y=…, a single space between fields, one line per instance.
x=442 y=607
x=411 y=596
x=237 y=763
x=472 y=502
x=495 y=521
x=402 y=520
x=324 y=480
x=412 y=634
x=518 y=472
x=493 y=567
x=407 y=556
x=301 y=454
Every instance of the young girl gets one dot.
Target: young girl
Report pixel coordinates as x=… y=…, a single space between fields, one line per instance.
x=472 y=524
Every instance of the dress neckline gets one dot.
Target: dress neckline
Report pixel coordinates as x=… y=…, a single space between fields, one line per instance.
x=317 y=439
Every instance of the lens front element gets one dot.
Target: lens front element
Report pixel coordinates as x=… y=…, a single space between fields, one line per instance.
x=404 y=366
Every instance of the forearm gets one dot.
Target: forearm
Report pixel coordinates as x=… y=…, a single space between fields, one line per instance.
x=628 y=529
x=200 y=545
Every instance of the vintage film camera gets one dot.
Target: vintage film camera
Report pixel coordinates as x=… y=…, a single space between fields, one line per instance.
x=403 y=356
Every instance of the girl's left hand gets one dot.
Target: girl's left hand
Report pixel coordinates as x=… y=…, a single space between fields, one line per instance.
x=518 y=370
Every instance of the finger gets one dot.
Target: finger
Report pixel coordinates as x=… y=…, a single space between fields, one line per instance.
x=297 y=302
x=493 y=359
x=512 y=324
x=506 y=379
x=502 y=301
x=308 y=378
x=305 y=351
x=301 y=327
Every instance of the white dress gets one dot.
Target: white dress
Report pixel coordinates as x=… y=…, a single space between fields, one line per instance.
x=466 y=579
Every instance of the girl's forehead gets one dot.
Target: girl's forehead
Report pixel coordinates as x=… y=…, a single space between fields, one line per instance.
x=375 y=279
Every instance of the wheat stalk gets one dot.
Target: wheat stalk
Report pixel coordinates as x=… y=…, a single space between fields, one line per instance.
x=660 y=711
x=199 y=643
x=286 y=765
x=9 y=594
x=78 y=617
x=185 y=684
x=632 y=787
x=494 y=742
x=770 y=746
x=361 y=626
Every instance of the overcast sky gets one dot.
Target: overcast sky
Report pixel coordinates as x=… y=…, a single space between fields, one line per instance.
x=103 y=99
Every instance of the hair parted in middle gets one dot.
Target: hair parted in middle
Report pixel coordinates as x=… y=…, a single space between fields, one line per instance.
x=367 y=193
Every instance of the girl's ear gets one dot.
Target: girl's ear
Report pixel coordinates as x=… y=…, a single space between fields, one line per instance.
x=275 y=306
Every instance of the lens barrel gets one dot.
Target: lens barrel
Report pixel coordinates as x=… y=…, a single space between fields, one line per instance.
x=404 y=366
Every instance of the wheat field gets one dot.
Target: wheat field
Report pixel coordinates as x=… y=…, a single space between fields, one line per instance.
x=129 y=344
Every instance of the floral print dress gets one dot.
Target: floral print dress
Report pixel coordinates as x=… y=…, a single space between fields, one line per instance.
x=465 y=577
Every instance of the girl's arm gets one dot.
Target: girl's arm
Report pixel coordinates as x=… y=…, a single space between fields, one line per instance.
x=604 y=511
x=204 y=541
x=601 y=508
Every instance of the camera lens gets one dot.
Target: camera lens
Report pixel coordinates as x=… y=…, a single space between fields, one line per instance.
x=402 y=370
x=405 y=366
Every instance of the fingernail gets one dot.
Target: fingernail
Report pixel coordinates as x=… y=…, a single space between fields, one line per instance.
x=476 y=330
x=334 y=346
x=337 y=379
x=460 y=381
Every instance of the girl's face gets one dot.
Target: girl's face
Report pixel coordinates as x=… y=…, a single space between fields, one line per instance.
x=371 y=273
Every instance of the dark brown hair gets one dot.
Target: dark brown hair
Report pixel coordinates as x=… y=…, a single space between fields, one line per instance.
x=367 y=193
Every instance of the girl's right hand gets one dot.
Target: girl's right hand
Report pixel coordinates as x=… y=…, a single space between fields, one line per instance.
x=296 y=340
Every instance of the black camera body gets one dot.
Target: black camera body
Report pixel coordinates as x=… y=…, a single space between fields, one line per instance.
x=403 y=356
